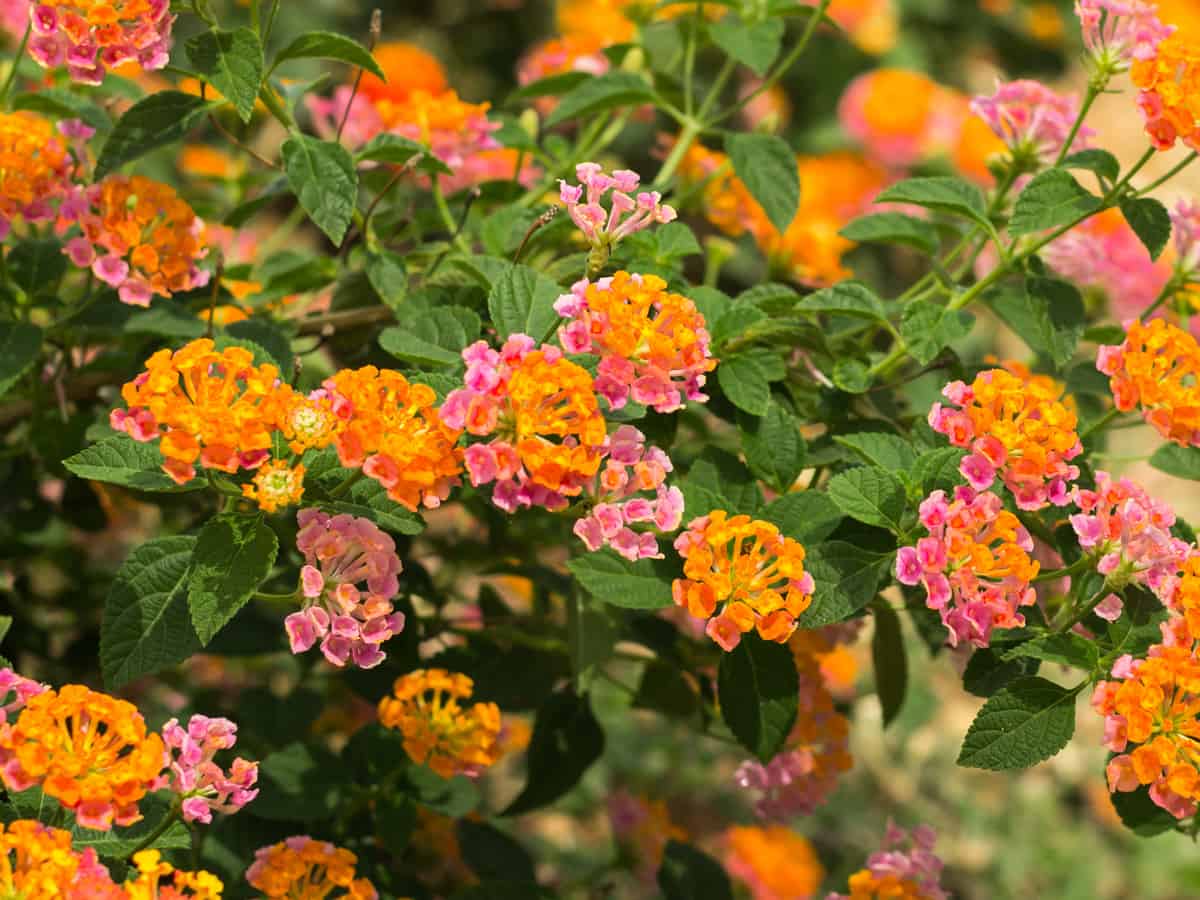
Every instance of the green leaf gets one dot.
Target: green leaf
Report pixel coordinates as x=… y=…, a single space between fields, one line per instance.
x=1140 y=814
x=767 y=166
x=690 y=874
x=938 y=469
x=146 y=624
x=894 y=228
x=891 y=664
x=122 y=460
x=757 y=687
x=754 y=45
x=522 y=302
x=943 y=194
x=1067 y=649
x=851 y=376
x=324 y=180
x=1099 y=161
x=368 y=499
x=846 y=578
x=1150 y=221
x=161 y=118
x=566 y=740
x=869 y=494
x=888 y=451
x=591 y=636
x=734 y=322
x=928 y=328
x=1053 y=199
x=804 y=516
x=722 y=475
x=665 y=689
x=850 y=298
x=988 y=671
x=300 y=783
x=20 y=347
x=550 y=86
x=395 y=150
x=232 y=62
x=745 y=384
x=119 y=843
x=1182 y=462
x=328 y=45
x=60 y=103
x=645 y=584
x=435 y=337
x=774 y=447
x=1048 y=315
x=233 y=556
x=166 y=319
x=492 y=854
x=1020 y=726
x=37 y=265
x=388 y=276
x=607 y=91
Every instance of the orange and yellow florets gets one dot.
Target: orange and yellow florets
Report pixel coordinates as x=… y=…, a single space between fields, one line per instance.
x=36 y=861
x=772 y=861
x=301 y=868
x=748 y=569
x=89 y=751
x=35 y=168
x=275 y=485
x=157 y=879
x=438 y=729
x=1170 y=92
x=1157 y=368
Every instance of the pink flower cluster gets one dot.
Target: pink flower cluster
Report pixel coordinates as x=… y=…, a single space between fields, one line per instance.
x=974 y=565
x=653 y=345
x=20 y=687
x=202 y=784
x=1117 y=32
x=14 y=17
x=341 y=552
x=907 y=857
x=1031 y=119
x=631 y=468
x=89 y=37
x=627 y=215
x=1131 y=531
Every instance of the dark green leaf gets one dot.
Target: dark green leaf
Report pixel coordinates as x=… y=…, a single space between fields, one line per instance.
x=928 y=328
x=600 y=93
x=943 y=194
x=61 y=103
x=850 y=298
x=888 y=451
x=323 y=178
x=233 y=556
x=645 y=584
x=894 y=228
x=1150 y=221
x=20 y=347
x=774 y=447
x=1053 y=199
x=805 y=516
x=851 y=376
x=566 y=740
x=767 y=166
x=988 y=671
x=757 y=687
x=1067 y=649
x=891 y=664
x=1140 y=814
x=522 y=302
x=161 y=118
x=1020 y=726
x=36 y=265
x=1095 y=160
x=591 y=636
x=755 y=45
x=845 y=579
x=122 y=460
x=745 y=384
x=936 y=470
x=300 y=783
x=1048 y=315
x=396 y=150
x=691 y=874
x=1182 y=462
x=232 y=62
x=493 y=854
x=869 y=494
x=435 y=337
x=328 y=45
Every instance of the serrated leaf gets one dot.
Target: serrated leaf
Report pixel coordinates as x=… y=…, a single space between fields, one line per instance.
x=328 y=45
x=725 y=477
x=888 y=451
x=767 y=166
x=591 y=636
x=60 y=103
x=161 y=118
x=232 y=62
x=1067 y=649
x=1054 y=198
x=324 y=180
x=851 y=376
x=755 y=45
x=734 y=322
x=1049 y=316
x=845 y=579
x=987 y=671
x=745 y=384
x=122 y=460
x=435 y=337
x=850 y=298
x=928 y=328
x=597 y=94
x=690 y=874
x=645 y=584
x=869 y=494
x=368 y=499
x=1182 y=462
x=146 y=625
x=522 y=302
x=938 y=469
x=940 y=193
x=1095 y=160
x=1150 y=221
x=1022 y=725
x=566 y=740
x=396 y=150
x=773 y=446
x=36 y=265
x=890 y=661
x=757 y=687
x=20 y=347
x=893 y=228
x=804 y=516
x=233 y=556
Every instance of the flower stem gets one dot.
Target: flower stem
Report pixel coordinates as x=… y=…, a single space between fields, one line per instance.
x=168 y=820
x=1092 y=93
x=16 y=64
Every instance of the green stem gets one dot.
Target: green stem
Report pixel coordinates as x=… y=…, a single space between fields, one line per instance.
x=439 y=200
x=16 y=64
x=1157 y=183
x=1080 y=565
x=1164 y=295
x=1092 y=93
x=168 y=820
x=341 y=489
x=1078 y=615
x=268 y=597
x=1100 y=423
x=682 y=144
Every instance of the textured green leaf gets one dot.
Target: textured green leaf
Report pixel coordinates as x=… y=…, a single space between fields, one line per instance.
x=159 y=119
x=845 y=579
x=805 y=516
x=1022 y=725
x=594 y=95
x=767 y=166
x=1067 y=649
x=774 y=447
x=893 y=228
x=723 y=476
x=396 y=150
x=988 y=671
x=522 y=302
x=1182 y=462
x=757 y=687
x=146 y=625
x=850 y=298
x=890 y=662
x=233 y=556
x=745 y=384
x=20 y=347
x=690 y=874
x=869 y=494
x=566 y=740
x=937 y=469
x=300 y=783
x=119 y=843
x=943 y=194
x=1150 y=221
x=888 y=451
x=328 y=45
x=36 y=265
x=1048 y=315
x=232 y=62
x=323 y=178
x=1095 y=160
x=851 y=375
x=645 y=584
x=928 y=328
x=368 y=499
x=434 y=337
x=755 y=45
x=1054 y=198
x=122 y=460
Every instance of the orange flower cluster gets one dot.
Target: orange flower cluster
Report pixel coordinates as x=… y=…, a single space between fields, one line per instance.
x=438 y=730
x=36 y=862
x=157 y=879
x=408 y=69
x=873 y=25
x=89 y=751
x=1157 y=368
x=301 y=868
x=746 y=566
x=208 y=405
x=35 y=168
x=1170 y=92
x=140 y=237
x=899 y=115
x=391 y=429
x=275 y=485
x=774 y=862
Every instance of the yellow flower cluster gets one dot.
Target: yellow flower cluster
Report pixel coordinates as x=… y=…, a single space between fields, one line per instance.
x=301 y=868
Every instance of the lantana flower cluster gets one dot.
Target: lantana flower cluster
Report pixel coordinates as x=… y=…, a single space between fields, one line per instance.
x=773 y=861
x=1156 y=368
x=91 y=37
x=975 y=565
x=906 y=868
x=631 y=470
x=1169 y=84
x=157 y=879
x=653 y=344
x=1016 y=430
x=1033 y=121
x=304 y=867
x=899 y=116
x=741 y=575
x=628 y=212
x=439 y=730
x=37 y=862
x=343 y=553
x=192 y=773
x=36 y=169
x=1118 y=33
